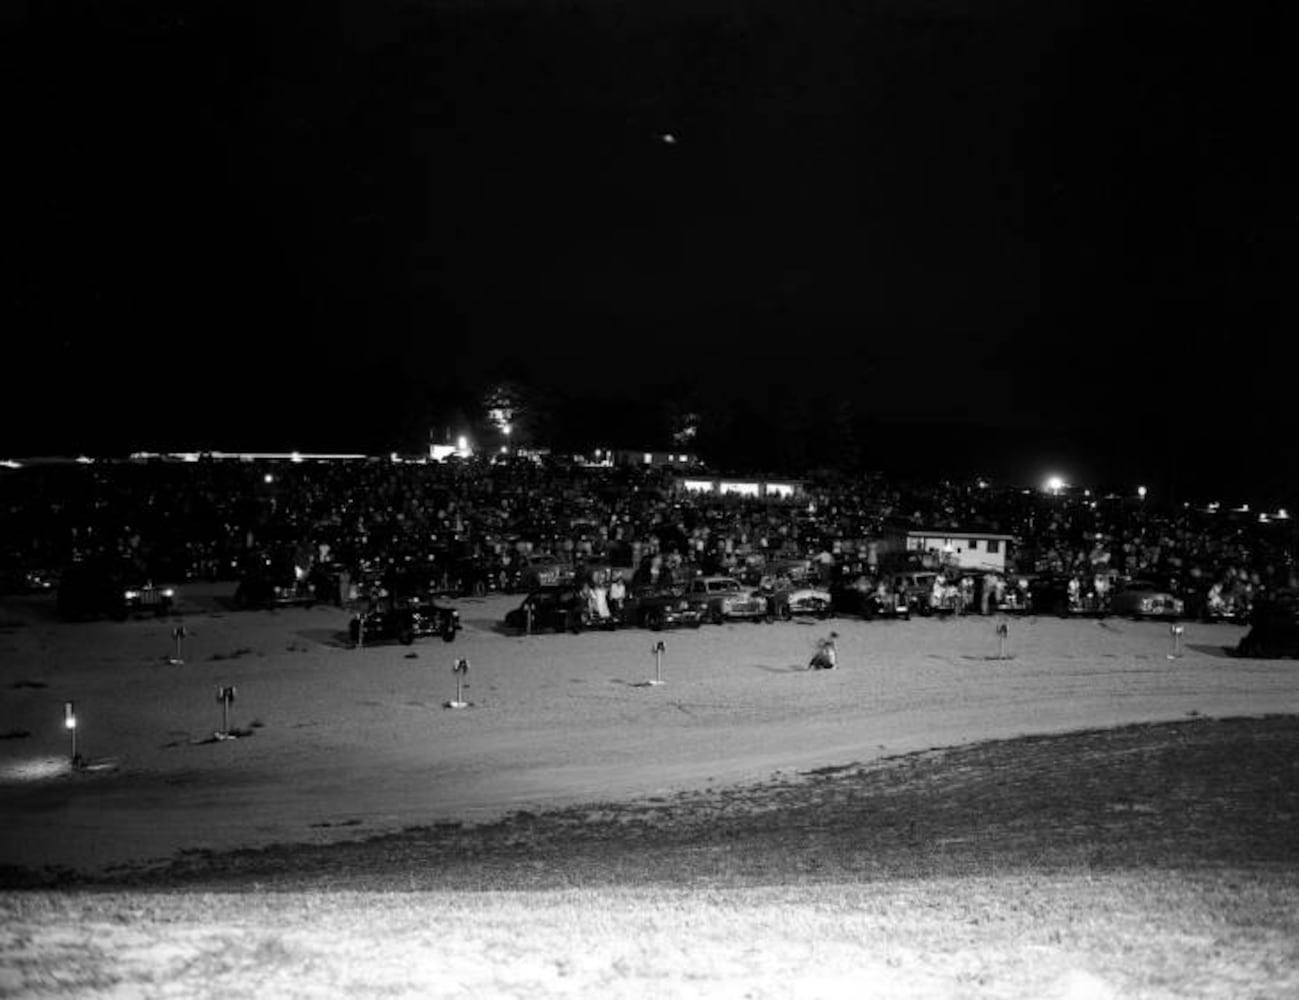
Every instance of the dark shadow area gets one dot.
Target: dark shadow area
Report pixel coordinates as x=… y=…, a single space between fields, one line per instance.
x=1224 y=652
x=492 y=625
x=335 y=638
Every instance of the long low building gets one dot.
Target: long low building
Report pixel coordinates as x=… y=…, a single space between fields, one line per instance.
x=742 y=486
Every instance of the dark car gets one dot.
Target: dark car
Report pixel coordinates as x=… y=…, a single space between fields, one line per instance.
x=1054 y=594
x=868 y=602
x=16 y=578
x=724 y=598
x=1274 y=628
x=267 y=590
x=404 y=619
x=556 y=609
x=1146 y=599
x=657 y=608
x=542 y=570
x=102 y=589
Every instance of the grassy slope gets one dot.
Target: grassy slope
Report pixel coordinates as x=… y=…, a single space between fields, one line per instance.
x=1203 y=793
x=1152 y=860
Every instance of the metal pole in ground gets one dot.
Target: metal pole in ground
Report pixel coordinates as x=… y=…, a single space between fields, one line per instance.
x=658 y=649
x=1175 y=631
x=70 y=723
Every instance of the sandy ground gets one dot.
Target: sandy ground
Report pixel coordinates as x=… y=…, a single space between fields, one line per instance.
x=346 y=743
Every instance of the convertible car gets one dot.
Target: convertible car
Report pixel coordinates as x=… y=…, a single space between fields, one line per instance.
x=800 y=602
x=1143 y=599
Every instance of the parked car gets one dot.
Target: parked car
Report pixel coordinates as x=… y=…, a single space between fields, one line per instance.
x=1017 y=596
x=916 y=588
x=793 y=602
x=869 y=602
x=720 y=598
x=1143 y=599
x=16 y=578
x=1274 y=628
x=542 y=570
x=556 y=609
x=403 y=619
x=799 y=572
x=658 y=608
x=1053 y=594
x=97 y=589
x=266 y=589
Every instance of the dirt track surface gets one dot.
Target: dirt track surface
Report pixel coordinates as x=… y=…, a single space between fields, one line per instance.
x=344 y=744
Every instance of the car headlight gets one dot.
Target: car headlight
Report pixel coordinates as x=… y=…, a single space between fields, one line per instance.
x=169 y=592
x=132 y=595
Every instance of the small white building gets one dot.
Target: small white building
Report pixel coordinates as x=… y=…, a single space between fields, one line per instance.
x=981 y=550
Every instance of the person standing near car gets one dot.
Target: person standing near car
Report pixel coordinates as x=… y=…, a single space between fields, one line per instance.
x=617 y=595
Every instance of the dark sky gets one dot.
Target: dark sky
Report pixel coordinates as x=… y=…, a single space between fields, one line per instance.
x=1019 y=229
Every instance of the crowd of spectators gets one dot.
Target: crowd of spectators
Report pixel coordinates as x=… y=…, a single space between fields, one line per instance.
x=476 y=525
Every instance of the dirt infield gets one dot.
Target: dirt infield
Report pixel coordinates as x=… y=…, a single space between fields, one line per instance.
x=343 y=744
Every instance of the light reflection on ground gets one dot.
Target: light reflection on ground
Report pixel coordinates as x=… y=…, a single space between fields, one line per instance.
x=35 y=769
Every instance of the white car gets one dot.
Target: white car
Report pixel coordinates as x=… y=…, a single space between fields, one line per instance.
x=800 y=602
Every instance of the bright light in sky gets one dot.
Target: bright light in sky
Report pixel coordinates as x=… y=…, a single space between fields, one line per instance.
x=1055 y=484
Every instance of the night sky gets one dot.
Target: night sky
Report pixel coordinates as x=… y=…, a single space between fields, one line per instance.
x=982 y=236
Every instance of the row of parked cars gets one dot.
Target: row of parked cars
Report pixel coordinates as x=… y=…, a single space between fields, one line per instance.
x=409 y=611
x=930 y=593
x=704 y=599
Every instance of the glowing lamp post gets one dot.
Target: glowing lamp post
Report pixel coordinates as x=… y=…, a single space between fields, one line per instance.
x=70 y=724
x=461 y=669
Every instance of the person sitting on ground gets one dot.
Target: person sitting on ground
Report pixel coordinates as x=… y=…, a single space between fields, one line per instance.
x=825 y=657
